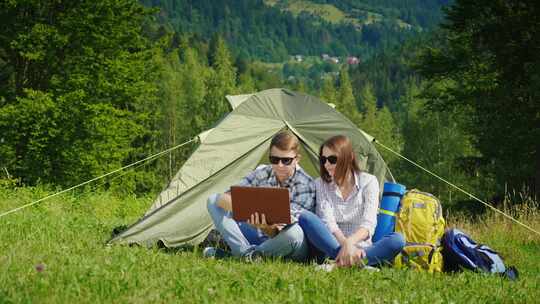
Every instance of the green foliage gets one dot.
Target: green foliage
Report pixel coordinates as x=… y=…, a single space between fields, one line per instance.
x=221 y=82
x=328 y=91
x=379 y=123
x=88 y=87
x=87 y=92
x=389 y=71
x=345 y=102
x=418 y=13
x=493 y=76
x=438 y=141
x=78 y=88
x=312 y=72
x=261 y=32
x=29 y=128
x=195 y=90
x=265 y=76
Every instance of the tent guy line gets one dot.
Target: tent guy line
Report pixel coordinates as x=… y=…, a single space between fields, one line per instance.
x=195 y=138
x=457 y=187
x=99 y=177
x=265 y=112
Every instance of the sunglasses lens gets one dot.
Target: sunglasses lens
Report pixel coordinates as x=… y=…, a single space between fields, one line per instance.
x=332 y=159
x=274 y=160
x=286 y=160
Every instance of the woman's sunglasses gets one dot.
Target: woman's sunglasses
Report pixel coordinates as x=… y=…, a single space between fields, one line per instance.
x=274 y=160
x=332 y=159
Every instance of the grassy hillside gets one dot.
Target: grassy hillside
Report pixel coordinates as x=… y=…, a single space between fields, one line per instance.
x=333 y=14
x=327 y=12
x=56 y=253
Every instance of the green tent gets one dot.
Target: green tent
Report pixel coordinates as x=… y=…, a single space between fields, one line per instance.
x=236 y=146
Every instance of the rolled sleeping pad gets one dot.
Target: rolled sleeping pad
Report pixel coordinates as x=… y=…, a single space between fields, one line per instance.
x=386 y=219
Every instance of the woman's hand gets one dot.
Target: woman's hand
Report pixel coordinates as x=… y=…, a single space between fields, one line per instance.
x=349 y=254
x=260 y=223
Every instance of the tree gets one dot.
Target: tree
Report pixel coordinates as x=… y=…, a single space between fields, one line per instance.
x=221 y=82
x=439 y=142
x=328 y=91
x=487 y=62
x=345 y=102
x=195 y=92
x=246 y=84
x=171 y=94
x=380 y=124
x=81 y=73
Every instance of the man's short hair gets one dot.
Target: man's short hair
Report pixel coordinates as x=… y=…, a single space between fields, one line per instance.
x=285 y=141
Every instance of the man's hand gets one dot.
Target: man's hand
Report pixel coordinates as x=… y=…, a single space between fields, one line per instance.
x=270 y=230
x=349 y=255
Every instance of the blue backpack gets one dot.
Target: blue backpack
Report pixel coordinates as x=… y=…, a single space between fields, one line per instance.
x=462 y=252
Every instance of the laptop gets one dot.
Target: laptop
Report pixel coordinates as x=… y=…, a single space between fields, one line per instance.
x=272 y=201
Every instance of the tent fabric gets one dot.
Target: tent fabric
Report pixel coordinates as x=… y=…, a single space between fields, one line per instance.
x=236 y=100
x=235 y=147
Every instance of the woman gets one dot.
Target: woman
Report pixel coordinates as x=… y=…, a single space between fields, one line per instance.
x=347 y=203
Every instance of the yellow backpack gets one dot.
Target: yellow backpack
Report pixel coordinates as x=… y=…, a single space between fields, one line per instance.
x=421 y=222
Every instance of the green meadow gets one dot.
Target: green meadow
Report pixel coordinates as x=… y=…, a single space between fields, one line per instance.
x=56 y=252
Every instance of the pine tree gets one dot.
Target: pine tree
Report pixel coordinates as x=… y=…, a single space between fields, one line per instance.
x=221 y=82
x=246 y=84
x=380 y=124
x=437 y=141
x=369 y=112
x=346 y=103
x=328 y=91
x=195 y=94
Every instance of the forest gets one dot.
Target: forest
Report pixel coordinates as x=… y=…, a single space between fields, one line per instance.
x=90 y=86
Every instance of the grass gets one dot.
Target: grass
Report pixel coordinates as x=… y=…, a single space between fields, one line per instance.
x=332 y=14
x=327 y=12
x=66 y=237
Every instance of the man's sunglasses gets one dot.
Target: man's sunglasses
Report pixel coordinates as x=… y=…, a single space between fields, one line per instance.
x=274 y=160
x=332 y=159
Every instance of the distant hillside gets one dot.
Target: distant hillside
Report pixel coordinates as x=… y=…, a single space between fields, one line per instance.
x=424 y=14
x=332 y=13
x=272 y=30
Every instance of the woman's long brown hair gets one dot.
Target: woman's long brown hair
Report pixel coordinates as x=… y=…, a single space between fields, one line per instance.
x=346 y=159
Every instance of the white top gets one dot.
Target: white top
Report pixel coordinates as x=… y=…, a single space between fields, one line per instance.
x=358 y=210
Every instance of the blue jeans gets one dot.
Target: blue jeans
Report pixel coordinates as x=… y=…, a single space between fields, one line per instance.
x=319 y=236
x=289 y=243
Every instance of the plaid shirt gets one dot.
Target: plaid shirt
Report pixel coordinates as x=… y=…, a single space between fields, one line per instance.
x=300 y=185
x=358 y=210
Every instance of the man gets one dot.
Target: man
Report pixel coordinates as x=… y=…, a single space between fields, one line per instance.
x=255 y=238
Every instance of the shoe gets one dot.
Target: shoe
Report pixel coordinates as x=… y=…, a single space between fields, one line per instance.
x=215 y=253
x=214 y=239
x=370 y=268
x=364 y=266
x=326 y=267
x=253 y=256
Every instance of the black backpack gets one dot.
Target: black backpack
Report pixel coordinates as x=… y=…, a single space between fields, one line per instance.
x=461 y=252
